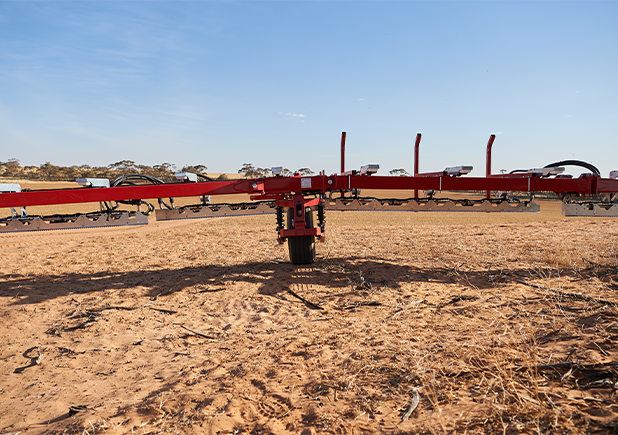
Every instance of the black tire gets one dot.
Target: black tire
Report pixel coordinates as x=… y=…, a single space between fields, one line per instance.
x=301 y=248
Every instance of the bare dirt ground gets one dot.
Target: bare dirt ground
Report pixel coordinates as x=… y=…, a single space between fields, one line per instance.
x=408 y=323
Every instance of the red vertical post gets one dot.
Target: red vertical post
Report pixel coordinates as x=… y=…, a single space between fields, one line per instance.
x=416 y=146
x=488 y=162
x=342 y=152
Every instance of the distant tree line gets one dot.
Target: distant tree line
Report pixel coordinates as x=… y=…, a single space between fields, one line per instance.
x=165 y=171
x=250 y=171
x=49 y=172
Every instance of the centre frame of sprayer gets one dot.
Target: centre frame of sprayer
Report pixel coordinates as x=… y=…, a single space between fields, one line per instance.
x=295 y=198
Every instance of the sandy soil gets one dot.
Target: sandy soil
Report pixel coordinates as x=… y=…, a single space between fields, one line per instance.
x=496 y=323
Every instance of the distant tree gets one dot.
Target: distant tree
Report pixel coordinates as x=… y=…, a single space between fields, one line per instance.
x=250 y=171
x=69 y=173
x=29 y=172
x=11 y=168
x=165 y=167
x=197 y=169
x=124 y=167
x=47 y=171
x=164 y=171
x=286 y=172
x=399 y=172
x=305 y=171
x=143 y=169
x=86 y=171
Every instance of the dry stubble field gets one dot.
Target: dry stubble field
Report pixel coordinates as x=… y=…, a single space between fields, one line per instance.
x=493 y=323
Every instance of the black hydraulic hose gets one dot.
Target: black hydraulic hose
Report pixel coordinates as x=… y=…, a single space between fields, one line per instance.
x=128 y=180
x=205 y=177
x=586 y=165
x=579 y=163
x=150 y=208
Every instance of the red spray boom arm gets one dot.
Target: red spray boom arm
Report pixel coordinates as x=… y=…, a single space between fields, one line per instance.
x=278 y=187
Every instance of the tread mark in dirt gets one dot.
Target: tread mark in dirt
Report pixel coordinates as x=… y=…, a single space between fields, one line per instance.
x=274 y=406
x=343 y=429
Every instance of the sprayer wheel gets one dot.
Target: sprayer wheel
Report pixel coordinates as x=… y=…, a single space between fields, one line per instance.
x=301 y=248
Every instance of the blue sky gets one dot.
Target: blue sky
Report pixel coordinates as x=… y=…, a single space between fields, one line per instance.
x=275 y=83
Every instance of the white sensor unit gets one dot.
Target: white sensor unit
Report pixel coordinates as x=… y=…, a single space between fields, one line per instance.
x=187 y=177
x=613 y=175
x=8 y=188
x=369 y=169
x=458 y=170
x=92 y=182
x=546 y=172
x=277 y=170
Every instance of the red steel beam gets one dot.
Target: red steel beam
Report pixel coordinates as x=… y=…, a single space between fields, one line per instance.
x=584 y=186
x=319 y=183
x=606 y=185
x=89 y=194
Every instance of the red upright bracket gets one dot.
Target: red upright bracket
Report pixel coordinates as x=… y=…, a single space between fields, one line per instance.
x=488 y=162
x=416 y=146
x=342 y=152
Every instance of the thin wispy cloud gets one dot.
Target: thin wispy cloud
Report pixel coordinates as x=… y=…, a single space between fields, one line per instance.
x=292 y=116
